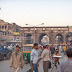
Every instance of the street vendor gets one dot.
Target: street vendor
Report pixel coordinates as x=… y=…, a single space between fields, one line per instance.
x=56 y=60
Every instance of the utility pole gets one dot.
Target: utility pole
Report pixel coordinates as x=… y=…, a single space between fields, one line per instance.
x=35 y=31
x=34 y=34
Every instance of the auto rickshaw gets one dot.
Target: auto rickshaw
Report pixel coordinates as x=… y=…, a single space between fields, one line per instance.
x=26 y=52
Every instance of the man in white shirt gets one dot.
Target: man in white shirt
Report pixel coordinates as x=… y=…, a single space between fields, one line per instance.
x=34 y=58
x=46 y=55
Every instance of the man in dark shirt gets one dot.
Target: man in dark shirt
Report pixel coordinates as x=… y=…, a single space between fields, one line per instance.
x=52 y=49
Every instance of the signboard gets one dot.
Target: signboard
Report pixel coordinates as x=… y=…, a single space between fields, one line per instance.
x=16 y=33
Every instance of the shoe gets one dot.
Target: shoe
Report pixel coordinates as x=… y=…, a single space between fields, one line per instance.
x=58 y=63
x=56 y=66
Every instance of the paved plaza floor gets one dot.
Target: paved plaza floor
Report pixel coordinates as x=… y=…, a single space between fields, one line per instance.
x=4 y=66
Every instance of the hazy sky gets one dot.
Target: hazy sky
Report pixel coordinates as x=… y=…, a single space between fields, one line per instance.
x=35 y=12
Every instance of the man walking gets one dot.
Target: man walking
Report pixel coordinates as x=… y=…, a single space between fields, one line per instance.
x=52 y=49
x=67 y=65
x=64 y=48
x=46 y=58
x=16 y=60
x=34 y=58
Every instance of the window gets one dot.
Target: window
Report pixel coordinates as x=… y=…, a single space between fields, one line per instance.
x=43 y=29
x=17 y=30
x=2 y=27
x=5 y=27
x=51 y=28
x=58 y=28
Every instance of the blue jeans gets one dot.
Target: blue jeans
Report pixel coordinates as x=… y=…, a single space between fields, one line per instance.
x=35 y=67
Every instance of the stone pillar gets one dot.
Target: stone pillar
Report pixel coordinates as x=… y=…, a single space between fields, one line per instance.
x=51 y=37
x=64 y=38
x=36 y=37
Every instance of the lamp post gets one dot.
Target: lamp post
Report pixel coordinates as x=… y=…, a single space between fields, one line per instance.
x=34 y=34
x=35 y=30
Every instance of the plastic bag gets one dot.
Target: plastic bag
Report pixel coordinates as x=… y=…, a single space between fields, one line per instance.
x=30 y=70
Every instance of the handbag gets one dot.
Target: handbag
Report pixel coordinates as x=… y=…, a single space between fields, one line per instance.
x=49 y=64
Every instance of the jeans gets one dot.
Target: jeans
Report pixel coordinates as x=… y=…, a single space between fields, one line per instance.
x=52 y=59
x=35 y=67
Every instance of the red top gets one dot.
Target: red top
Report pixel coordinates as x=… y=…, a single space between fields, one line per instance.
x=40 y=47
x=47 y=48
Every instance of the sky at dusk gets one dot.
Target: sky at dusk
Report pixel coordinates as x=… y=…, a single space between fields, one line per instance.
x=36 y=12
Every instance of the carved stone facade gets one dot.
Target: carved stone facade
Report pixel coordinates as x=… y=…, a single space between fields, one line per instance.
x=51 y=32
x=25 y=34
x=9 y=32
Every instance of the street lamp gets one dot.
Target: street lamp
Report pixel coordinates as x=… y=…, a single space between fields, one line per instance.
x=35 y=29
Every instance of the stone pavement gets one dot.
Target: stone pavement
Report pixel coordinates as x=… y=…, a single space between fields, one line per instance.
x=4 y=66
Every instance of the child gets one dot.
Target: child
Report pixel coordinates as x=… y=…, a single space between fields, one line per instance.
x=56 y=60
x=64 y=48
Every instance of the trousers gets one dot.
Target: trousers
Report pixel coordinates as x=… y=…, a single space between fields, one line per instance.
x=35 y=67
x=16 y=69
x=45 y=66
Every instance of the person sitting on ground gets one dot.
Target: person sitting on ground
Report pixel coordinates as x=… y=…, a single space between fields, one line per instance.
x=56 y=60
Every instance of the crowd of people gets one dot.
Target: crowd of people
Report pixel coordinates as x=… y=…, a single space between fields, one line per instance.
x=47 y=55
x=48 y=52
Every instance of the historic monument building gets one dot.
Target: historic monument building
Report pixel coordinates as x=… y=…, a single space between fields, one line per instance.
x=28 y=35
x=51 y=32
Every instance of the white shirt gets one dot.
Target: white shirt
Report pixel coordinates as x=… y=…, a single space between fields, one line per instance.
x=46 y=55
x=34 y=56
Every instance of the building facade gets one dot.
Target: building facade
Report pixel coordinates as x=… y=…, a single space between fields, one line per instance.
x=51 y=32
x=12 y=33
x=9 y=33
